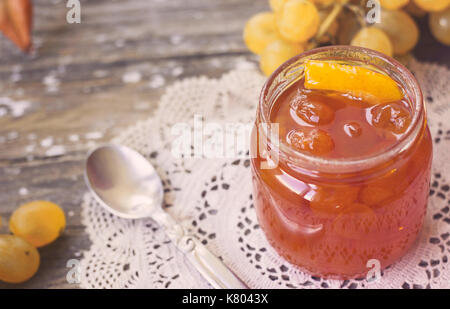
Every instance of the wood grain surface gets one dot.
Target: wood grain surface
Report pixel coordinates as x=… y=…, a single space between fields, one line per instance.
x=84 y=83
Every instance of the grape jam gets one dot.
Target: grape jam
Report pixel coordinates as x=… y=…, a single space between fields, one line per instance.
x=328 y=223
x=336 y=125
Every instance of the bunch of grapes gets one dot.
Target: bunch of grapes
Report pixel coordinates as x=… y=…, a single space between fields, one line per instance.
x=294 y=26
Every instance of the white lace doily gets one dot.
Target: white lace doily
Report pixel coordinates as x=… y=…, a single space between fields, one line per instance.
x=212 y=198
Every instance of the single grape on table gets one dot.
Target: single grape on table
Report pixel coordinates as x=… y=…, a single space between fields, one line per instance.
x=38 y=222
x=19 y=260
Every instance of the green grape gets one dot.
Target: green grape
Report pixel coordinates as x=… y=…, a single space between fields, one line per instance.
x=432 y=5
x=440 y=26
x=276 y=53
x=393 y=4
x=373 y=38
x=401 y=29
x=260 y=31
x=277 y=5
x=298 y=20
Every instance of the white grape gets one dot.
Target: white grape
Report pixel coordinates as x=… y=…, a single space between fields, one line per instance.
x=373 y=38
x=432 y=5
x=440 y=26
x=401 y=29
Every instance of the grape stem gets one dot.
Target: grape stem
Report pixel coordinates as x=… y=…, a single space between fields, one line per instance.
x=359 y=13
x=337 y=8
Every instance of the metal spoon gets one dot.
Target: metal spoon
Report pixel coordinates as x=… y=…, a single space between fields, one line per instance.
x=127 y=185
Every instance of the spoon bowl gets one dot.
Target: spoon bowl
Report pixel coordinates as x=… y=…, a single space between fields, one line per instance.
x=123 y=181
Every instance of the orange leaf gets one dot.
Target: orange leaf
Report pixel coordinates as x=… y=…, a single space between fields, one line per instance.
x=15 y=22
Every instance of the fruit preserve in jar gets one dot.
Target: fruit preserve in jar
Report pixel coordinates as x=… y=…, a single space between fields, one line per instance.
x=341 y=158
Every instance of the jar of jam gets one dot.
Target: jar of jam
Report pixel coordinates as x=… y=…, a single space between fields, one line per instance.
x=341 y=158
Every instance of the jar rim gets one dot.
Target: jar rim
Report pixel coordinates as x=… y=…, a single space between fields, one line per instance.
x=352 y=164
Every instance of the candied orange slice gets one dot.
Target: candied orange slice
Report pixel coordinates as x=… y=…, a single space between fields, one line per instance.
x=358 y=81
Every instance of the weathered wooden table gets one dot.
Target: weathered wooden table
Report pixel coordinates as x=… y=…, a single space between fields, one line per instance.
x=86 y=82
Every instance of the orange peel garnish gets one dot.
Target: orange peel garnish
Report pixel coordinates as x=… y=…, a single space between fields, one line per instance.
x=357 y=81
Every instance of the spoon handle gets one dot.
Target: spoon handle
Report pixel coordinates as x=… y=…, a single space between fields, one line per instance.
x=212 y=268
x=207 y=264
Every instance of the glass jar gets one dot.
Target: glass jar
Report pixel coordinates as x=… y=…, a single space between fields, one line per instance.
x=300 y=199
